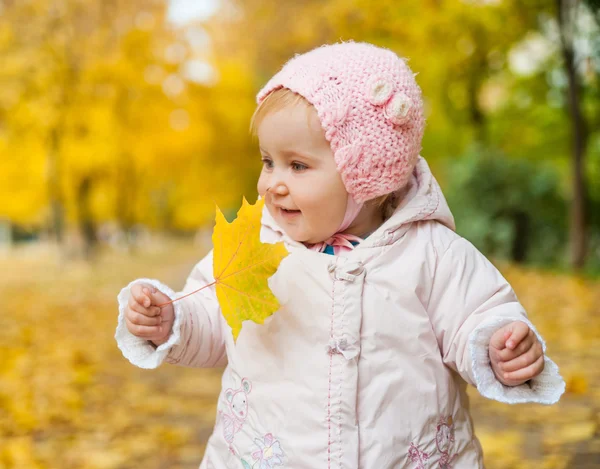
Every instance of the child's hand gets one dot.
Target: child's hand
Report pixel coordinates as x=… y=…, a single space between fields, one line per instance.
x=146 y=320
x=516 y=354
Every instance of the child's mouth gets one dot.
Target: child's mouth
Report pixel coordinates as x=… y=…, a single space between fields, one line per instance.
x=285 y=213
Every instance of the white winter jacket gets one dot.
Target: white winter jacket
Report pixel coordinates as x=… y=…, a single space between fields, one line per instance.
x=365 y=364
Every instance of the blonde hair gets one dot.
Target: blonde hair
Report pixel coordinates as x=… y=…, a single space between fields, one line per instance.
x=275 y=101
x=284 y=97
x=386 y=204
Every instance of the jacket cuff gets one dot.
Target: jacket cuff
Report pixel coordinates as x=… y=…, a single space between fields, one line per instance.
x=139 y=351
x=546 y=388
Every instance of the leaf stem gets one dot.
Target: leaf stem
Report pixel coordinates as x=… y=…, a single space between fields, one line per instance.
x=184 y=296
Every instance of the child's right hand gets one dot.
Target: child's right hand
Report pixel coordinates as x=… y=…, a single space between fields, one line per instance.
x=146 y=320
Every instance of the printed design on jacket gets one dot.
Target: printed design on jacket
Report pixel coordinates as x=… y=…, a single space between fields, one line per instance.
x=266 y=452
x=444 y=439
x=417 y=456
x=268 y=455
x=233 y=421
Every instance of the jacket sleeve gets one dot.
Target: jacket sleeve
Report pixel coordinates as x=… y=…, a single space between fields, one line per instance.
x=198 y=335
x=468 y=302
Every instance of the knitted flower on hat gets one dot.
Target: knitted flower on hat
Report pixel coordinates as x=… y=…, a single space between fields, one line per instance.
x=370 y=107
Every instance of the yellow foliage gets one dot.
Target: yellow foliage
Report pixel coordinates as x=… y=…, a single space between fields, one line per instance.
x=576 y=383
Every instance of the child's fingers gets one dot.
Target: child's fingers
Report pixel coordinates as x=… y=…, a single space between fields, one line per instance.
x=143 y=320
x=158 y=297
x=138 y=308
x=508 y=354
x=498 y=339
x=519 y=332
x=141 y=296
x=135 y=306
x=144 y=332
x=524 y=360
x=526 y=373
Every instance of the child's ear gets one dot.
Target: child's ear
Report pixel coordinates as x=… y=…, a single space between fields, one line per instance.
x=229 y=394
x=246 y=386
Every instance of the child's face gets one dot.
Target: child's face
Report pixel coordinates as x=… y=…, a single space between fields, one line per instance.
x=306 y=195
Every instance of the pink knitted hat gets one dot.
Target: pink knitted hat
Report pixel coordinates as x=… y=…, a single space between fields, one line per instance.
x=370 y=107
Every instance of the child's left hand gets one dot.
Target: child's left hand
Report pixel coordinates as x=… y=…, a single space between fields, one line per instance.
x=516 y=354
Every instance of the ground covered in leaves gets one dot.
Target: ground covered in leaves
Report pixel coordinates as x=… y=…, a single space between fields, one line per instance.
x=69 y=400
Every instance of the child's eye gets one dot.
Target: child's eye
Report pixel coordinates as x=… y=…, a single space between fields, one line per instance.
x=299 y=166
x=267 y=163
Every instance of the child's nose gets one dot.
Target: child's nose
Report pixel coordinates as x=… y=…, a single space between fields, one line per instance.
x=280 y=189
x=276 y=185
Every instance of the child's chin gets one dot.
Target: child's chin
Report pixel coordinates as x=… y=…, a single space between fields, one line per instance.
x=297 y=235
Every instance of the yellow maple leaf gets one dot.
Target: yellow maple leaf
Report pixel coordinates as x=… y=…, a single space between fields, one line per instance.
x=242 y=265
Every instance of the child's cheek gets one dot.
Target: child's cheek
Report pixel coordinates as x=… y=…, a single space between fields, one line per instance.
x=270 y=210
x=260 y=188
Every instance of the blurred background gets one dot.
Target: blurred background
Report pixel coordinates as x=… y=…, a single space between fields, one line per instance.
x=123 y=122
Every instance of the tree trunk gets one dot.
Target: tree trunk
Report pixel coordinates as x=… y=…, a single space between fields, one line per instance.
x=520 y=243
x=54 y=188
x=87 y=225
x=578 y=215
x=126 y=183
x=477 y=116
